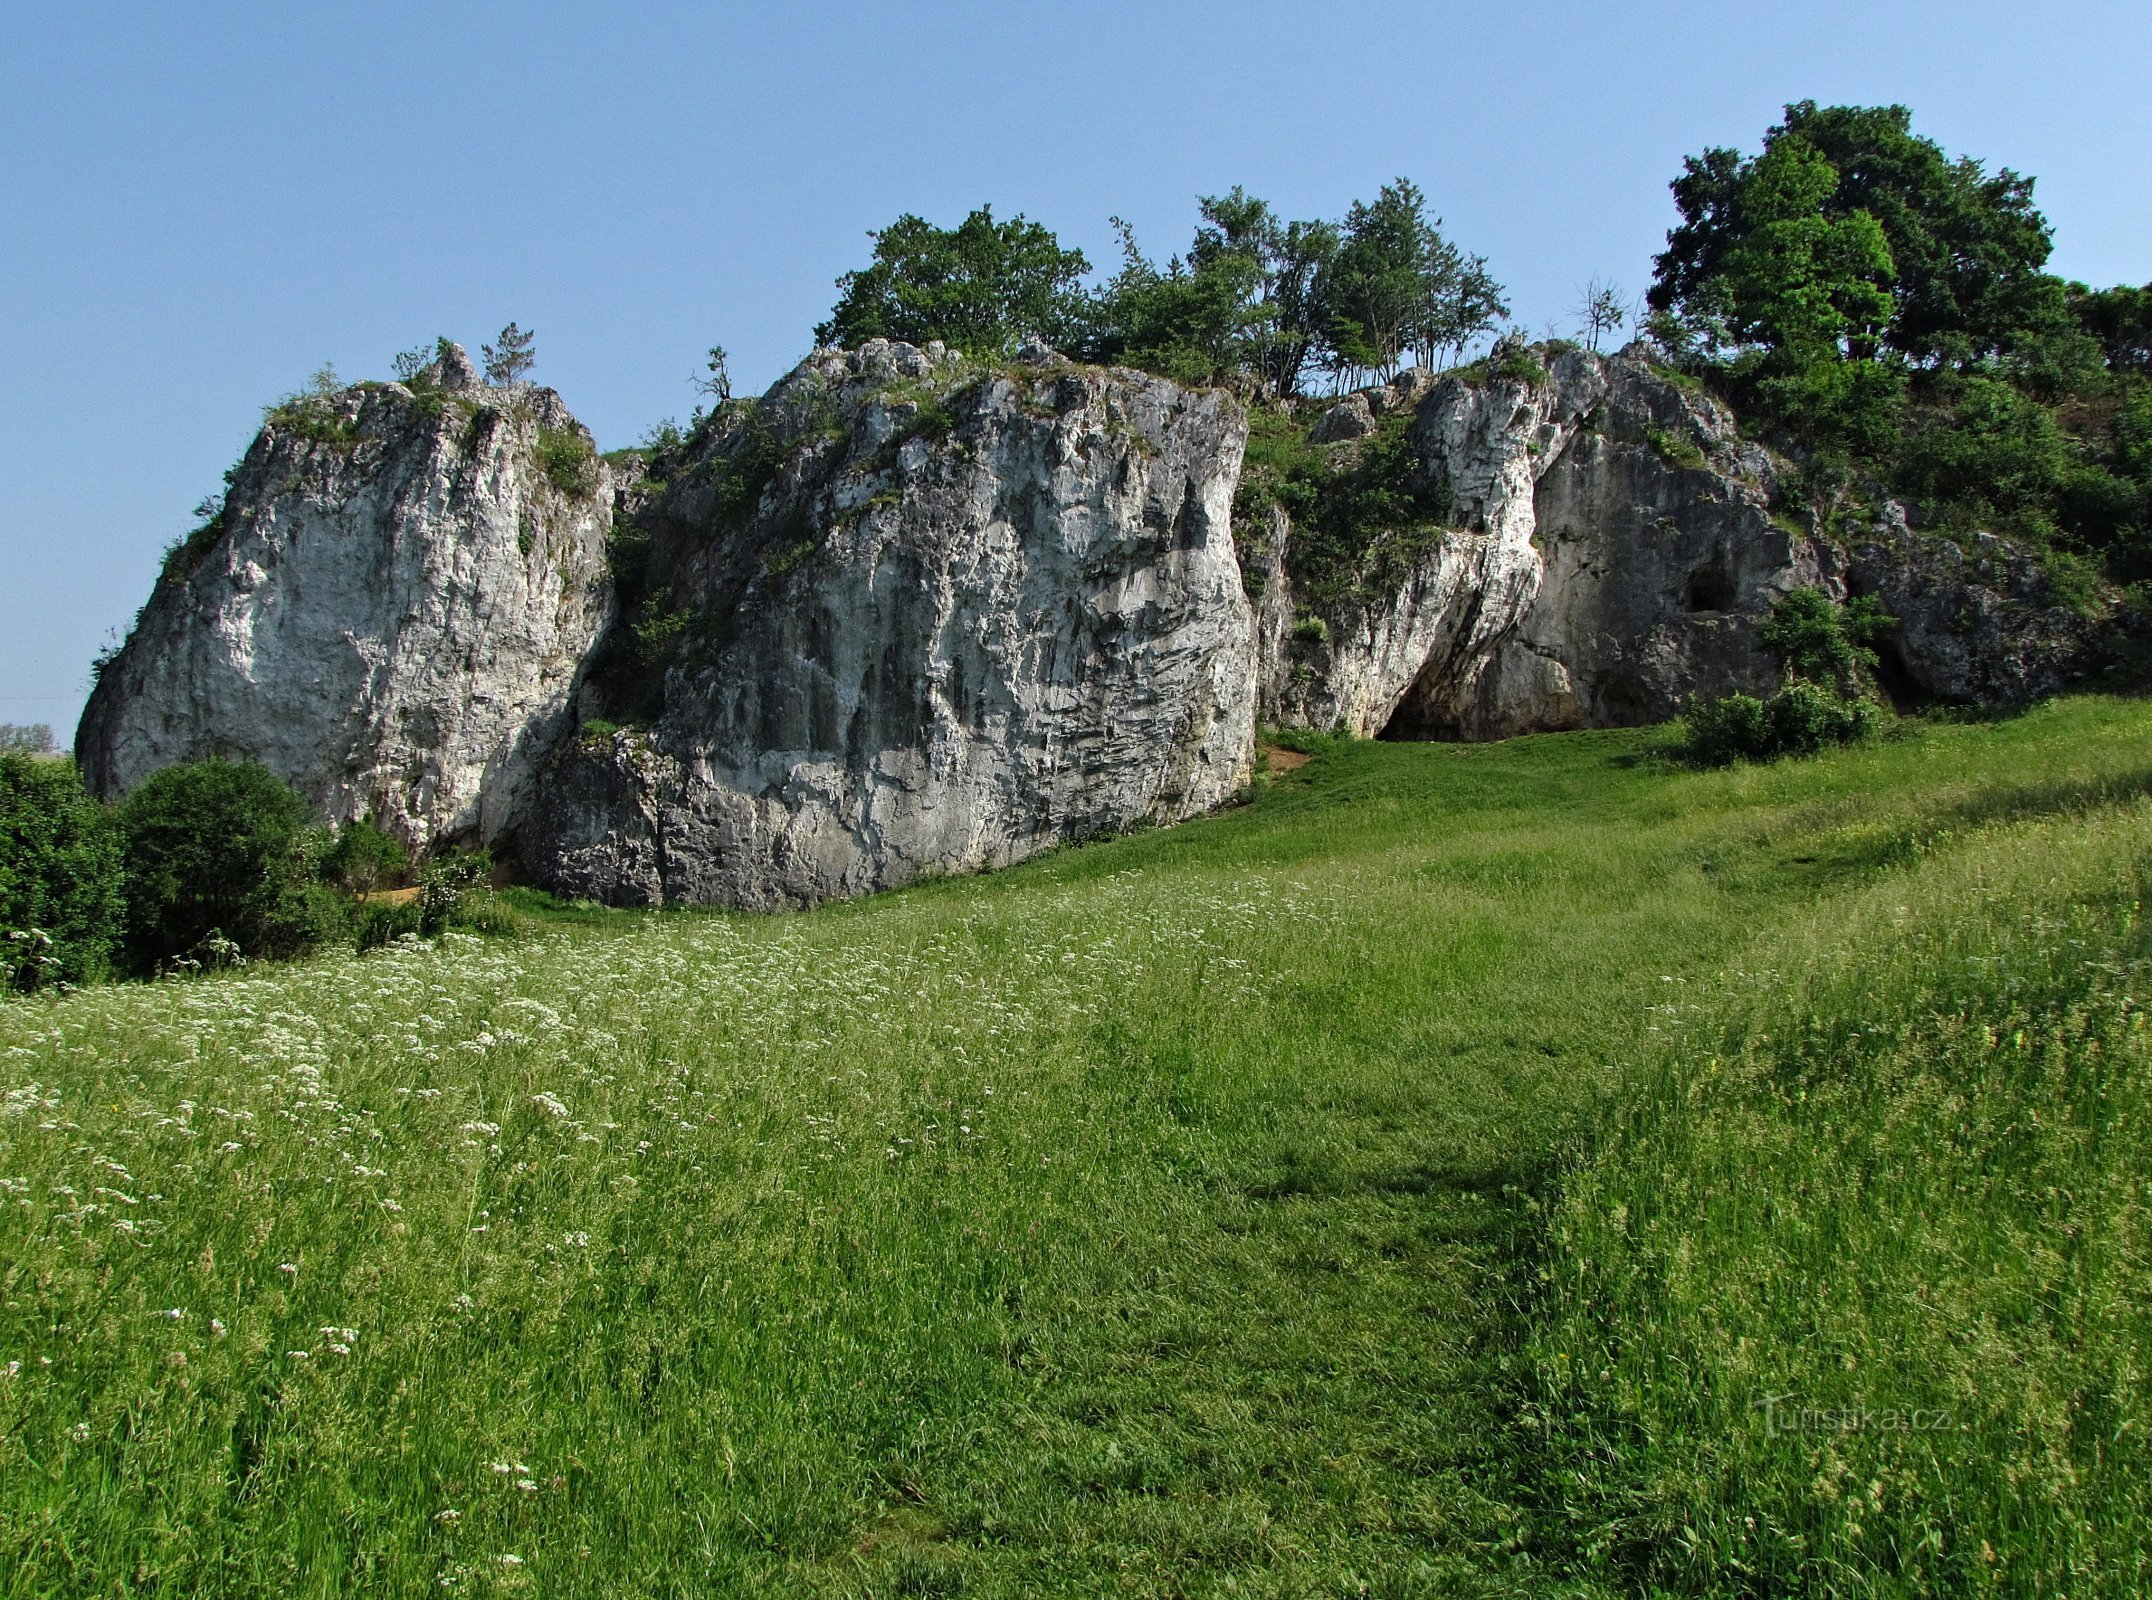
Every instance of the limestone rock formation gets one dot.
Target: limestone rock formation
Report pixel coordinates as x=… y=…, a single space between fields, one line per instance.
x=391 y=611
x=908 y=616
x=1978 y=626
x=1613 y=544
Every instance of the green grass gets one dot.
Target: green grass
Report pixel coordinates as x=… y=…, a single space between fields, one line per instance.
x=1212 y=1211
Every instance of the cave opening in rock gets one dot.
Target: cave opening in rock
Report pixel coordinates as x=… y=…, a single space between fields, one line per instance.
x=1712 y=588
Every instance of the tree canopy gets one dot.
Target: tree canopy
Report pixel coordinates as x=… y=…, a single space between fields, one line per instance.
x=1966 y=249
x=1256 y=299
x=982 y=286
x=1884 y=311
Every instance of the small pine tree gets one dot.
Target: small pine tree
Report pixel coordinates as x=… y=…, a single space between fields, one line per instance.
x=510 y=356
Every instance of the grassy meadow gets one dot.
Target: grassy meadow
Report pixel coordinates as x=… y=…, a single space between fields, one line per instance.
x=1526 y=1169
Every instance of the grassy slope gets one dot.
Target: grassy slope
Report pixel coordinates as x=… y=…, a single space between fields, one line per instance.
x=1153 y=1218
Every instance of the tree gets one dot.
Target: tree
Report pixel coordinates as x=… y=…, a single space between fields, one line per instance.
x=363 y=858
x=981 y=287
x=1396 y=284
x=1601 y=309
x=2120 y=319
x=28 y=739
x=1196 y=320
x=1968 y=248
x=60 y=884
x=511 y=356
x=220 y=848
x=1803 y=281
x=1387 y=275
x=717 y=383
x=1245 y=301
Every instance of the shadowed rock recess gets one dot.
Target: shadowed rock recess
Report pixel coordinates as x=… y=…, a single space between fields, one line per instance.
x=907 y=614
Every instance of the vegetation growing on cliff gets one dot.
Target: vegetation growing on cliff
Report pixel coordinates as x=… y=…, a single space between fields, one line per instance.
x=1884 y=311
x=1361 y=513
x=1257 y=301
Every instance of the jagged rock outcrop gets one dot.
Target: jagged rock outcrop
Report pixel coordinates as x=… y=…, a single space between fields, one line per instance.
x=922 y=618
x=1426 y=628
x=391 y=611
x=908 y=614
x=1978 y=626
x=1616 y=544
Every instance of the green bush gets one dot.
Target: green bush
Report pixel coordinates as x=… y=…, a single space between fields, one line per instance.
x=569 y=461
x=363 y=858
x=380 y=922
x=1674 y=450
x=451 y=887
x=61 y=904
x=1818 y=640
x=1800 y=719
x=1360 y=514
x=222 y=849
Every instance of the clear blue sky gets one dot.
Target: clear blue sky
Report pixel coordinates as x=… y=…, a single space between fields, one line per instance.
x=204 y=202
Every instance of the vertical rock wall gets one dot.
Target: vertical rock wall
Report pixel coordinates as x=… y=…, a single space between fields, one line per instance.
x=970 y=615
x=391 y=613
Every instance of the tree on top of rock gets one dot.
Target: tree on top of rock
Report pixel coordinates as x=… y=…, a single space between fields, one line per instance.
x=982 y=287
x=1968 y=249
x=511 y=356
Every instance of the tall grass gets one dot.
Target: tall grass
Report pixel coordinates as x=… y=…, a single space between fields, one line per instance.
x=1143 y=1220
x=1857 y=1299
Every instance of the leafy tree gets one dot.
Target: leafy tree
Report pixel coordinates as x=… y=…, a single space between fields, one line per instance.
x=29 y=739
x=1195 y=320
x=1246 y=300
x=981 y=287
x=220 y=848
x=1390 y=268
x=1396 y=284
x=1967 y=248
x=2120 y=319
x=510 y=356
x=61 y=901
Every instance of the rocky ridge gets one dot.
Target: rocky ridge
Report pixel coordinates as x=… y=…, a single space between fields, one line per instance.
x=908 y=614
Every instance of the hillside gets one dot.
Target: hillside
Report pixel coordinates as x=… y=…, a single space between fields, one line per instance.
x=1221 y=1209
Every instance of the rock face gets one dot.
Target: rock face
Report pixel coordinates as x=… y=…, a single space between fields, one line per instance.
x=391 y=612
x=1616 y=546
x=930 y=619
x=1977 y=627
x=908 y=615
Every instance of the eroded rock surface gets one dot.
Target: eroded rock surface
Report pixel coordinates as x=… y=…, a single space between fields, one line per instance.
x=391 y=611
x=934 y=619
x=1616 y=542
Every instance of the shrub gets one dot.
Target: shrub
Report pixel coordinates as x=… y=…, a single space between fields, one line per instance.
x=449 y=887
x=61 y=904
x=1821 y=641
x=363 y=858
x=380 y=922
x=569 y=461
x=222 y=848
x=1800 y=719
x=1520 y=363
x=1674 y=450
